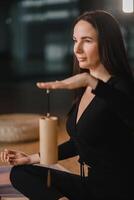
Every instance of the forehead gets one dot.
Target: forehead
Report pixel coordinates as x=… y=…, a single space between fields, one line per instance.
x=84 y=28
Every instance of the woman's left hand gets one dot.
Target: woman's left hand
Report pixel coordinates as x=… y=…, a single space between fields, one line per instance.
x=77 y=81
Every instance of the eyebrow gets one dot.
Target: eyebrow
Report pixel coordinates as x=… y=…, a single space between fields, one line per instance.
x=84 y=37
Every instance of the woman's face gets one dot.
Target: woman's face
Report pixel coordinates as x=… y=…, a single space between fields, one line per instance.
x=86 y=45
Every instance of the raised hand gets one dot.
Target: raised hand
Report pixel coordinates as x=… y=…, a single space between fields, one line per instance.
x=63 y=198
x=77 y=81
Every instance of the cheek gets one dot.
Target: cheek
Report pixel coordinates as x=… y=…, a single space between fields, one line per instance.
x=92 y=52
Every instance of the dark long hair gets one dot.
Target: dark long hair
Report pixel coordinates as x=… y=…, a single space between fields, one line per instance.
x=110 y=41
x=112 y=50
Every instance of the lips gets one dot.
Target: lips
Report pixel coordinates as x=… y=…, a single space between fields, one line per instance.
x=81 y=59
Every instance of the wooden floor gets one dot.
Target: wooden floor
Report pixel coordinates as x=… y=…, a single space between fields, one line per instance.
x=14 y=198
x=33 y=147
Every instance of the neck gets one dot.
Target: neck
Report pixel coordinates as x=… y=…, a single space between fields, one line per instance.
x=101 y=73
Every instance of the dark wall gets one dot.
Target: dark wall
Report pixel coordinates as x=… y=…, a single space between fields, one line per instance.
x=36 y=44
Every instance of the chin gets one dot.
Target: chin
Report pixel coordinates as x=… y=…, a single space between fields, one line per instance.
x=84 y=67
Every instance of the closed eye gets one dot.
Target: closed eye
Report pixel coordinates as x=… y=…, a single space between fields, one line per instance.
x=85 y=39
x=88 y=40
x=74 y=40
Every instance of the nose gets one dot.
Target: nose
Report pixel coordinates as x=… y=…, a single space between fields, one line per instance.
x=78 y=47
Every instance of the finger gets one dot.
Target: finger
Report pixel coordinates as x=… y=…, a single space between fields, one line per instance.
x=11 y=156
x=45 y=85
x=52 y=85
x=1 y=156
x=59 y=85
x=10 y=151
x=11 y=160
x=5 y=153
x=7 y=159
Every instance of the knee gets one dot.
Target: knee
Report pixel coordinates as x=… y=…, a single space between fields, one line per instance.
x=16 y=175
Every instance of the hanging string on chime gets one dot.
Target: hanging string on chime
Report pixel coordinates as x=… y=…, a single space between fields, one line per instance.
x=48 y=102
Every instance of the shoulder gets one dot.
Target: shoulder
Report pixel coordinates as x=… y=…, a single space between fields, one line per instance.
x=123 y=84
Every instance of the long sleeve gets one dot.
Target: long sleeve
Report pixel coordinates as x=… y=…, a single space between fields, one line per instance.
x=119 y=95
x=67 y=150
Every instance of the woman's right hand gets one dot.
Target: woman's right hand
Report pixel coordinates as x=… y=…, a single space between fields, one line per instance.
x=15 y=157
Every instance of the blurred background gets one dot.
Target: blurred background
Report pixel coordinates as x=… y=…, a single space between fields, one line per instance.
x=36 y=45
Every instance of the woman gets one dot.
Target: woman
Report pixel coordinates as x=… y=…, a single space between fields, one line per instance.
x=100 y=122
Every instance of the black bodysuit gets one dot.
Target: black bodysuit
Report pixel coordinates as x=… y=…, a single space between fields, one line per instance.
x=103 y=139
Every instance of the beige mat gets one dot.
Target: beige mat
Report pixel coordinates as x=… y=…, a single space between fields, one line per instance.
x=19 y=127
